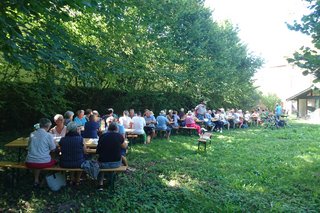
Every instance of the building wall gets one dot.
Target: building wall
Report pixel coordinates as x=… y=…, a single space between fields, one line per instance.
x=302 y=108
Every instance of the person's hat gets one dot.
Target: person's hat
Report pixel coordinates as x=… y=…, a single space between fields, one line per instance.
x=162 y=112
x=189 y=112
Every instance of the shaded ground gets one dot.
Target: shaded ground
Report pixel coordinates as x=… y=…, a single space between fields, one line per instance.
x=243 y=170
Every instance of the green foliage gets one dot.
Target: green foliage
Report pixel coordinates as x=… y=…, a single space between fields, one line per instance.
x=246 y=170
x=269 y=101
x=159 y=46
x=307 y=58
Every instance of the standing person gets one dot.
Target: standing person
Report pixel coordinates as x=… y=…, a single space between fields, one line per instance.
x=201 y=110
x=109 y=150
x=60 y=129
x=40 y=145
x=150 y=125
x=138 y=123
x=73 y=150
x=278 y=111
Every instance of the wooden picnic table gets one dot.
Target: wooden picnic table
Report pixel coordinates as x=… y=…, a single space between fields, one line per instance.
x=22 y=144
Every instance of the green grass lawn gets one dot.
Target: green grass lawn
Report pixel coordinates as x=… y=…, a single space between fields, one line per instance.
x=243 y=170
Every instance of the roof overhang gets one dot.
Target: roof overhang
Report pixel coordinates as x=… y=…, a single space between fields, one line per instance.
x=301 y=94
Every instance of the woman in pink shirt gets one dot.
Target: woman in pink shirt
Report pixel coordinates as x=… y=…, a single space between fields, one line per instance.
x=190 y=122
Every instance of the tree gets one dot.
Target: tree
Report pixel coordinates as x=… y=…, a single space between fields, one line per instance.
x=307 y=58
x=270 y=101
x=155 y=45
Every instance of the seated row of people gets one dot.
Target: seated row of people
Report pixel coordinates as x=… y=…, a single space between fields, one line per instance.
x=146 y=125
x=72 y=150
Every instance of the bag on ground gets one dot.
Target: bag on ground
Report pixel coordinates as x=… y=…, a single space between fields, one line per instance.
x=92 y=167
x=56 y=181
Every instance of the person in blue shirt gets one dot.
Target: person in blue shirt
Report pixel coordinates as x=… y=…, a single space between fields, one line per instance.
x=150 y=125
x=162 y=124
x=278 y=111
x=80 y=119
x=91 y=127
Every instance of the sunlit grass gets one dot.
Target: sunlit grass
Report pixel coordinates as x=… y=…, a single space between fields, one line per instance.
x=242 y=170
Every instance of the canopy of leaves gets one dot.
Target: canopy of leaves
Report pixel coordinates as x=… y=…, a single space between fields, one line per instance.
x=307 y=58
x=154 y=45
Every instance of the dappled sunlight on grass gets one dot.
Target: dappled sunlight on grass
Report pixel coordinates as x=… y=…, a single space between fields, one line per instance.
x=253 y=188
x=308 y=158
x=243 y=170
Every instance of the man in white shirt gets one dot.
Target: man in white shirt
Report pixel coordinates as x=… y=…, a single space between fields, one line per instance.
x=40 y=145
x=138 y=124
x=125 y=120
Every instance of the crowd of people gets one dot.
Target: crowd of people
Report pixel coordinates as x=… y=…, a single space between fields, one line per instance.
x=110 y=130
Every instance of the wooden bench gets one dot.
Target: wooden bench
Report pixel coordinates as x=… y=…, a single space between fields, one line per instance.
x=20 y=165
x=190 y=130
x=204 y=139
x=132 y=138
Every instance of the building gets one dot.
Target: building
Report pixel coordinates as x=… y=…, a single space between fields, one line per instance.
x=307 y=103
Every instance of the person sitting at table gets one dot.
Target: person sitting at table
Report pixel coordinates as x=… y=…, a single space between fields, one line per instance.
x=163 y=124
x=150 y=125
x=238 y=118
x=182 y=117
x=264 y=115
x=121 y=131
x=169 y=115
x=68 y=117
x=40 y=145
x=191 y=122
x=218 y=121
x=73 y=149
x=255 y=117
x=125 y=120
x=176 y=119
x=224 y=118
x=80 y=119
x=87 y=113
x=109 y=150
x=96 y=113
x=132 y=113
x=138 y=123
x=247 y=119
x=230 y=117
x=208 y=120
x=91 y=127
x=60 y=129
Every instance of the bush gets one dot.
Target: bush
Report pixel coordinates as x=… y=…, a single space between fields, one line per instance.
x=23 y=104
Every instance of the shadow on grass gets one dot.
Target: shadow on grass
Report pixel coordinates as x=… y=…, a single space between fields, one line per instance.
x=257 y=171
